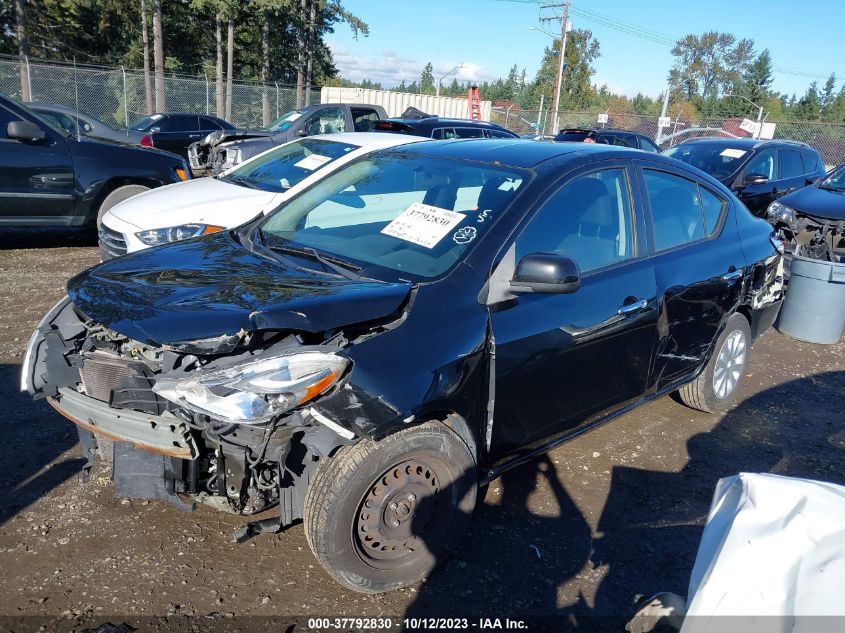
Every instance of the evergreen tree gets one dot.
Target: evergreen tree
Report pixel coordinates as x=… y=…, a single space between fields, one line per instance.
x=427 y=80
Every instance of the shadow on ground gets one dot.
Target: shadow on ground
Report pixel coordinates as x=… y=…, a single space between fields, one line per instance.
x=34 y=438
x=514 y=561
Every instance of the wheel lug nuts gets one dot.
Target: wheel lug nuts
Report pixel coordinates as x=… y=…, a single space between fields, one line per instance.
x=395 y=523
x=393 y=506
x=412 y=497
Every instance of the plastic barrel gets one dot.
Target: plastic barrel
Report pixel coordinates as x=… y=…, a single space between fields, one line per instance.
x=814 y=309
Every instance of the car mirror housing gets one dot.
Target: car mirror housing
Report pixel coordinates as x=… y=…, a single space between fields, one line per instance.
x=755 y=179
x=302 y=133
x=546 y=273
x=24 y=131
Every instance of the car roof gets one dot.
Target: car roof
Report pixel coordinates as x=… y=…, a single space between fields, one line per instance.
x=444 y=121
x=599 y=130
x=519 y=152
x=745 y=143
x=371 y=139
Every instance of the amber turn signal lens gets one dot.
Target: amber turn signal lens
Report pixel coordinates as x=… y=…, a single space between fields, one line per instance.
x=183 y=175
x=212 y=229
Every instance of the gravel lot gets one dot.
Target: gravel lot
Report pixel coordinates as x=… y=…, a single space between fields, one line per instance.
x=600 y=522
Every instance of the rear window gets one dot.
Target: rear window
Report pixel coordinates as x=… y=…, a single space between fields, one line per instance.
x=392 y=126
x=577 y=136
x=720 y=161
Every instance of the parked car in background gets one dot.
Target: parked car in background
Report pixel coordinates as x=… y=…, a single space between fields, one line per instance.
x=758 y=172
x=52 y=178
x=208 y=205
x=175 y=131
x=419 y=320
x=607 y=136
x=220 y=151
x=443 y=128
x=814 y=217
x=83 y=124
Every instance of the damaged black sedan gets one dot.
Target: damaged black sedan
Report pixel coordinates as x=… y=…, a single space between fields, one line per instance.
x=405 y=330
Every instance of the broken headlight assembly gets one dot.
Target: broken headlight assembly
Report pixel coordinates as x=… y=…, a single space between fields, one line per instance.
x=154 y=237
x=779 y=213
x=256 y=390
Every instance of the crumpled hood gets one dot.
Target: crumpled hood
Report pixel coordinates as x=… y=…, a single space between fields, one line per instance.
x=213 y=287
x=818 y=203
x=203 y=200
x=221 y=136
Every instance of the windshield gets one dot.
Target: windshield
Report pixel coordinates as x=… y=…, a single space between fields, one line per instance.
x=717 y=160
x=288 y=164
x=836 y=180
x=410 y=214
x=53 y=125
x=143 y=123
x=285 y=121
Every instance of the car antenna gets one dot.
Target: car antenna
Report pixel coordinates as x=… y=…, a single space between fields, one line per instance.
x=76 y=98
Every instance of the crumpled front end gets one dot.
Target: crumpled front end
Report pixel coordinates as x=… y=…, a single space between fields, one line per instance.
x=236 y=430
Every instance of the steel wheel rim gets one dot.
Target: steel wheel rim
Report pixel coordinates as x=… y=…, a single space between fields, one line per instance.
x=404 y=514
x=729 y=364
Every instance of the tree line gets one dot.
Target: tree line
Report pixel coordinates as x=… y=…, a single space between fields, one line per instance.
x=265 y=40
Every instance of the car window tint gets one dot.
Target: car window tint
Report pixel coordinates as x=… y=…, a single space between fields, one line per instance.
x=469 y=132
x=647 y=145
x=209 y=124
x=790 y=164
x=363 y=118
x=325 y=121
x=447 y=132
x=811 y=162
x=623 y=141
x=64 y=122
x=764 y=163
x=499 y=134
x=6 y=117
x=712 y=206
x=675 y=209
x=588 y=219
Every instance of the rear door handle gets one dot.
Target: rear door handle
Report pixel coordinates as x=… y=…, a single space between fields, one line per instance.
x=632 y=308
x=732 y=275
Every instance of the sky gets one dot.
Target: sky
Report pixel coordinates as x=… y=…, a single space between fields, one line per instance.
x=489 y=36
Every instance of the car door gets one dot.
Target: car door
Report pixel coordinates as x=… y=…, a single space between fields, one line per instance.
x=698 y=266
x=36 y=178
x=757 y=196
x=175 y=132
x=561 y=359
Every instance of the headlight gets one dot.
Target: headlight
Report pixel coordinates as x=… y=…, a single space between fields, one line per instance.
x=153 y=237
x=780 y=213
x=256 y=390
x=232 y=157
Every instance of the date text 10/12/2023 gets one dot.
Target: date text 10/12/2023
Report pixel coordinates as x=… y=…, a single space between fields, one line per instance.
x=415 y=624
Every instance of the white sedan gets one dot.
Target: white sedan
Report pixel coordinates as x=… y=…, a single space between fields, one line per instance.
x=206 y=205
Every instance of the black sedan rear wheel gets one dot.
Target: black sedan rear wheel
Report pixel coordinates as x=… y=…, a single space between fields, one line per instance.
x=380 y=515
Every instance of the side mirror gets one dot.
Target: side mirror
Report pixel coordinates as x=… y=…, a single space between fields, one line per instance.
x=302 y=133
x=546 y=273
x=155 y=129
x=755 y=179
x=24 y=131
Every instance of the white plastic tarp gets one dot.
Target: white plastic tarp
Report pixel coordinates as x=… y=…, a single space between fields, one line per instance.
x=772 y=546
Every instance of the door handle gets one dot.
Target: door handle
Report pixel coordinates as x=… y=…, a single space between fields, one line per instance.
x=632 y=308
x=732 y=275
x=194 y=135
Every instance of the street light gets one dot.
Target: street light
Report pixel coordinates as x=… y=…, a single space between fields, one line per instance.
x=442 y=77
x=534 y=28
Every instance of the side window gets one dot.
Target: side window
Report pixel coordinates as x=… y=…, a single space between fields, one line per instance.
x=209 y=124
x=764 y=163
x=647 y=145
x=712 y=205
x=811 y=162
x=363 y=118
x=446 y=133
x=790 y=163
x=589 y=219
x=675 y=209
x=469 y=132
x=624 y=141
x=6 y=117
x=498 y=134
x=60 y=120
x=325 y=121
x=605 y=139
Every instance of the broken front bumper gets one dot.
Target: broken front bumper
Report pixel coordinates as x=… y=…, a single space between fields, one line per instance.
x=164 y=434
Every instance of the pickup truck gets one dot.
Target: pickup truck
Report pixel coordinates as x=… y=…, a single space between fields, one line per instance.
x=224 y=149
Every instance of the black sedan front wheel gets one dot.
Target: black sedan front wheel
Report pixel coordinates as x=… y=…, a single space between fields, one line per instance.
x=380 y=515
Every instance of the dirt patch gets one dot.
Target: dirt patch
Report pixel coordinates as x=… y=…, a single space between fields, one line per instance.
x=614 y=515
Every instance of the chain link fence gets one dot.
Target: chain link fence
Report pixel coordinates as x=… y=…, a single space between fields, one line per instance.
x=117 y=96
x=828 y=138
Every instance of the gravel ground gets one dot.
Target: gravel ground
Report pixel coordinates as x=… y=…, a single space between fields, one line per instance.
x=608 y=518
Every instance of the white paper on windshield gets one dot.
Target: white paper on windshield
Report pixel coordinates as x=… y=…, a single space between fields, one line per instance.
x=312 y=162
x=733 y=153
x=423 y=224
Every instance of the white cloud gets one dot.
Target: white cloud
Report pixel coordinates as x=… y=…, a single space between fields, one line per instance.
x=389 y=68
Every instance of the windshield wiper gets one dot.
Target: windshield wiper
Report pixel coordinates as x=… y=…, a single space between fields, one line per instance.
x=338 y=266
x=244 y=182
x=827 y=188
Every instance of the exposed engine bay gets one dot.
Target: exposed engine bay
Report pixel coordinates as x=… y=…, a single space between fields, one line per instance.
x=807 y=236
x=227 y=430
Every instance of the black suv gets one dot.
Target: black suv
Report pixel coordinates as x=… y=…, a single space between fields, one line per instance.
x=758 y=172
x=51 y=177
x=607 y=136
x=440 y=128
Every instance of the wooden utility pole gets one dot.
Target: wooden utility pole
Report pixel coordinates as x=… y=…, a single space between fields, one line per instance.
x=301 y=43
x=265 y=67
x=145 y=41
x=562 y=55
x=158 y=57
x=23 y=49
x=309 y=52
x=230 y=64
x=219 y=94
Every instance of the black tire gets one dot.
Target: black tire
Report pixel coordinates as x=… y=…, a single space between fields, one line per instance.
x=118 y=195
x=419 y=486
x=702 y=393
